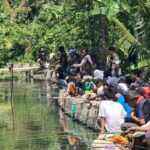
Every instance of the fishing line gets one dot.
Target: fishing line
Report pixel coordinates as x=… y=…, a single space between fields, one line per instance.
x=22 y=89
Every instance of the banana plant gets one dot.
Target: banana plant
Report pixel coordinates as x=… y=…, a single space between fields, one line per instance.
x=128 y=42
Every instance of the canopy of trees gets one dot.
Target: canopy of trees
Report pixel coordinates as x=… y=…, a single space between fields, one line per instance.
x=28 y=25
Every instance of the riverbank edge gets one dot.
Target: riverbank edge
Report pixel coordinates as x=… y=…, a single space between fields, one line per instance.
x=78 y=110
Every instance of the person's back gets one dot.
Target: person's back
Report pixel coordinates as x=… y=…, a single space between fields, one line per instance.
x=98 y=74
x=113 y=113
x=127 y=108
x=87 y=64
x=139 y=110
x=146 y=109
x=122 y=86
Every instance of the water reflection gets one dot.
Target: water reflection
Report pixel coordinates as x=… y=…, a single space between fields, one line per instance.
x=77 y=133
x=39 y=124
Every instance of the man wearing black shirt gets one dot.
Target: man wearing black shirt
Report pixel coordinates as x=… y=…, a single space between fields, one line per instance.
x=63 y=58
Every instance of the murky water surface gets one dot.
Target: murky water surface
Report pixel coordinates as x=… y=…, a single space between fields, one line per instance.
x=36 y=123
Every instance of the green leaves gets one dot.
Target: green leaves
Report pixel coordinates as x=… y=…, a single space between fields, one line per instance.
x=126 y=40
x=108 y=8
x=125 y=6
x=3 y=16
x=141 y=64
x=96 y=11
x=76 y=24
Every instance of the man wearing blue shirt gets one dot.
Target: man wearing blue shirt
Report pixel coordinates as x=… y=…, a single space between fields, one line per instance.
x=120 y=99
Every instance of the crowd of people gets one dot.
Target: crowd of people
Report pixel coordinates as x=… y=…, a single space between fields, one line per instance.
x=82 y=78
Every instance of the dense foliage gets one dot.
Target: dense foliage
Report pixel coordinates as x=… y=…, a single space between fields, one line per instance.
x=28 y=25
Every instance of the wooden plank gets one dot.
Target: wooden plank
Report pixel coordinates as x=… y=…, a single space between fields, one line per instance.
x=19 y=69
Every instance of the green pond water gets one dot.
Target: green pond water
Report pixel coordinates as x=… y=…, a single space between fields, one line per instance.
x=36 y=123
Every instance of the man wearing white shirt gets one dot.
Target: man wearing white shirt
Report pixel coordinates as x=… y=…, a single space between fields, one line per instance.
x=111 y=115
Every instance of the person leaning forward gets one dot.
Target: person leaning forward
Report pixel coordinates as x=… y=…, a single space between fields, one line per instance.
x=86 y=63
x=111 y=116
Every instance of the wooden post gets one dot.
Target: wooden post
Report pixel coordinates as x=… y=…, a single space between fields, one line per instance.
x=31 y=73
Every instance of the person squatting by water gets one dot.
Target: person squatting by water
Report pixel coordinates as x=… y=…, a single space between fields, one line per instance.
x=124 y=101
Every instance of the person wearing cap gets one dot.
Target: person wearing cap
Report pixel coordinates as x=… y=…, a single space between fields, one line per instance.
x=88 y=88
x=122 y=85
x=87 y=84
x=137 y=114
x=112 y=82
x=74 y=59
x=142 y=96
x=114 y=62
x=140 y=115
x=139 y=104
x=99 y=89
x=72 y=55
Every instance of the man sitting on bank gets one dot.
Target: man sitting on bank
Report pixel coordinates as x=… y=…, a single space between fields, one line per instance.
x=111 y=116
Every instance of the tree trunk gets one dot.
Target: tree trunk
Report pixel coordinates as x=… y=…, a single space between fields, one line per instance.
x=102 y=39
x=6 y=5
x=24 y=3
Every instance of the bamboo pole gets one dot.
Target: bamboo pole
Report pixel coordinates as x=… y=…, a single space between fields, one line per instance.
x=11 y=93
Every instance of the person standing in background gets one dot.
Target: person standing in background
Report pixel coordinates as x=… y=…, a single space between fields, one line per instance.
x=114 y=63
x=63 y=58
